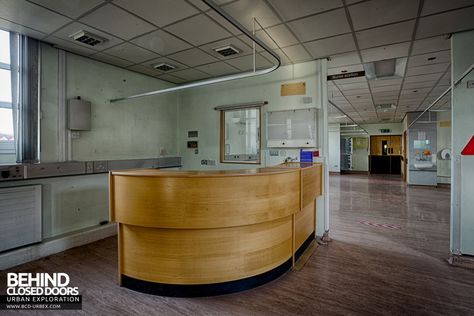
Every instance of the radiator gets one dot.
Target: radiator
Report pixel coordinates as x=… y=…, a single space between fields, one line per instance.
x=20 y=216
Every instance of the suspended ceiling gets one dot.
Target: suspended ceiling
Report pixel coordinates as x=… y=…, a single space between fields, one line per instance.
x=143 y=33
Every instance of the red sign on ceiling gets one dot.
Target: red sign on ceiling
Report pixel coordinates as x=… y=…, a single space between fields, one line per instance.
x=469 y=149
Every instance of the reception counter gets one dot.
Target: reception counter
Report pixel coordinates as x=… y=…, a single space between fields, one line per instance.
x=197 y=233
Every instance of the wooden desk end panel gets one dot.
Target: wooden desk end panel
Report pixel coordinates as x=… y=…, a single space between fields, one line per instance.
x=204 y=256
x=305 y=224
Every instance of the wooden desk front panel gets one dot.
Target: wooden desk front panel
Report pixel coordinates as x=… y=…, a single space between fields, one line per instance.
x=204 y=256
x=204 y=202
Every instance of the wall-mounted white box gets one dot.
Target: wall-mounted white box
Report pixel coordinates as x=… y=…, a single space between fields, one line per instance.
x=79 y=115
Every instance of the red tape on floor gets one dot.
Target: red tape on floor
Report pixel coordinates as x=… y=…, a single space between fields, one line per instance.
x=379 y=225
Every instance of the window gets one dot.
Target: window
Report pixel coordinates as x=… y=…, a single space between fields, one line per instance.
x=7 y=138
x=19 y=98
x=240 y=135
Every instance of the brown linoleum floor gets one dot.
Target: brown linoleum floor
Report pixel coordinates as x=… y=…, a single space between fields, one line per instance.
x=365 y=270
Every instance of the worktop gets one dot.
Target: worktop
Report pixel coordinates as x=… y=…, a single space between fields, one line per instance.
x=194 y=233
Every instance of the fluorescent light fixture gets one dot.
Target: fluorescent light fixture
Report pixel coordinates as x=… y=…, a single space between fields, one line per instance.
x=385 y=69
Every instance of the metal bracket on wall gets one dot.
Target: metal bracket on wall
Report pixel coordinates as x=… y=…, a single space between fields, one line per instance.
x=206 y=82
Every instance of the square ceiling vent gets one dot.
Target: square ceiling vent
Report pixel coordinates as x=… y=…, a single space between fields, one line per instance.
x=385 y=69
x=385 y=107
x=88 y=38
x=164 y=67
x=227 y=50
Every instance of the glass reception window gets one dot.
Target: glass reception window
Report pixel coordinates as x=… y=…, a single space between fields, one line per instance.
x=240 y=135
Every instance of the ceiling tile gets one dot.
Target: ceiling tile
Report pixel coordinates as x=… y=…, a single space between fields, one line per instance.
x=394 y=33
x=385 y=52
x=171 y=78
x=391 y=88
x=379 y=12
x=344 y=69
x=351 y=86
x=246 y=62
x=31 y=16
x=426 y=69
x=427 y=59
x=234 y=41
x=191 y=74
x=71 y=8
x=344 y=59
x=111 y=59
x=245 y=10
x=13 y=27
x=70 y=46
x=290 y=10
x=418 y=85
x=297 y=53
x=223 y=22
x=161 y=42
x=444 y=23
x=144 y=70
x=66 y=32
x=321 y=25
x=421 y=78
x=131 y=52
x=106 y=18
x=330 y=46
x=160 y=60
x=414 y=93
x=204 y=7
x=435 y=6
x=360 y=92
x=193 y=57
x=281 y=34
x=198 y=30
x=432 y=44
x=217 y=69
x=159 y=12
x=385 y=82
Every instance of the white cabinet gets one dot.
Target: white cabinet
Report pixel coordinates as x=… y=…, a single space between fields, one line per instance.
x=292 y=128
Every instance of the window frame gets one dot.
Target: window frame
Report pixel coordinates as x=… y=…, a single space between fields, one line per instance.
x=222 y=136
x=7 y=147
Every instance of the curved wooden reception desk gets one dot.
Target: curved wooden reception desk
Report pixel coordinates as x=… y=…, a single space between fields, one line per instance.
x=195 y=233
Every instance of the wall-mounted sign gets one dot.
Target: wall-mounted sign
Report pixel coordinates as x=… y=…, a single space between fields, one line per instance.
x=469 y=149
x=347 y=75
x=385 y=130
x=297 y=88
x=192 y=144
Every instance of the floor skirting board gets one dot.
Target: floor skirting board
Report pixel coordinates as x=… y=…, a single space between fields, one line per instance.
x=54 y=245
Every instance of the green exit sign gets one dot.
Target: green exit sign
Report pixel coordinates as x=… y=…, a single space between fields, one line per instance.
x=385 y=130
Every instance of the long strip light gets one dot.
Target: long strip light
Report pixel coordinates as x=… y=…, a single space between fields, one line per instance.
x=206 y=82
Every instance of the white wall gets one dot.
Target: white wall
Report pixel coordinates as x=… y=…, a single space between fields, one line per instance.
x=444 y=141
x=462 y=188
x=196 y=112
x=133 y=129
x=334 y=131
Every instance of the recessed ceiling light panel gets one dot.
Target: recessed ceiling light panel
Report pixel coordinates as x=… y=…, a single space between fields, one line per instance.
x=385 y=69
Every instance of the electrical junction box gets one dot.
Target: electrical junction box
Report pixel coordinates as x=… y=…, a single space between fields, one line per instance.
x=79 y=115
